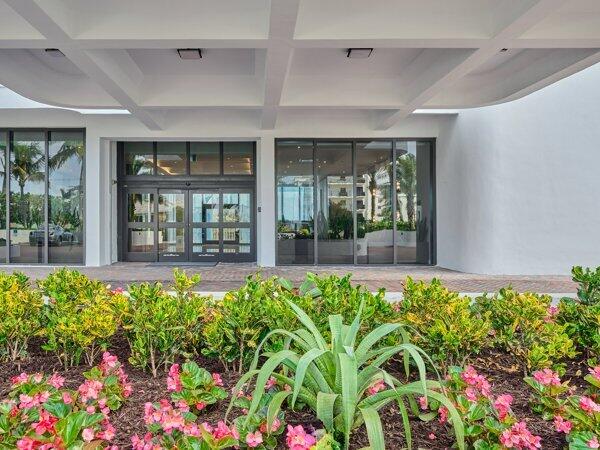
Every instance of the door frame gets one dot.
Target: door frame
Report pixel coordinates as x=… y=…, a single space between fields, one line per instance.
x=139 y=256
x=184 y=224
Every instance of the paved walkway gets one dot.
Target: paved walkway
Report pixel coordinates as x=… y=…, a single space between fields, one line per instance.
x=224 y=277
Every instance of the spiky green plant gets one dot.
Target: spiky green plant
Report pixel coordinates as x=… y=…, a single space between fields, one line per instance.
x=333 y=378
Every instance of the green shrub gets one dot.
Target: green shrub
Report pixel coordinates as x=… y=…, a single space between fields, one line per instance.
x=81 y=323
x=160 y=326
x=446 y=326
x=66 y=285
x=581 y=315
x=337 y=295
x=22 y=315
x=236 y=324
x=342 y=381
x=523 y=326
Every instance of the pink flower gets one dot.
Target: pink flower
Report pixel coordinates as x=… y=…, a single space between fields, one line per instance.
x=502 y=405
x=27 y=443
x=254 y=439
x=90 y=390
x=108 y=434
x=66 y=398
x=200 y=406
x=56 y=381
x=379 y=385
x=588 y=405
x=20 y=379
x=45 y=423
x=271 y=382
x=551 y=314
x=471 y=394
x=274 y=426
x=593 y=443
x=298 y=439
x=519 y=437
x=595 y=372
x=38 y=377
x=431 y=436
x=173 y=380
x=476 y=382
x=118 y=290
x=108 y=361
x=546 y=377
x=217 y=379
x=423 y=403
x=561 y=425
x=87 y=434
x=443 y=414
x=223 y=430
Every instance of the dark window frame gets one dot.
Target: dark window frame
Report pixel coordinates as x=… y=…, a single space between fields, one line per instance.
x=9 y=142
x=394 y=141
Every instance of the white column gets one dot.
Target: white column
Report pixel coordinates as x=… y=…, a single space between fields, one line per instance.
x=265 y=198
x=97 y=199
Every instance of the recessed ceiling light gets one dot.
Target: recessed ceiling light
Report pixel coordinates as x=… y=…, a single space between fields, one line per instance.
x=189 y=53
x=504 y=50
x=359 y=52
x=54 y=52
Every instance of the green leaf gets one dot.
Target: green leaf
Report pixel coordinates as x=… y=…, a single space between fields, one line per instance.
x=348 y=370
x=326 y=408
x=374 y=428
x=57 y=408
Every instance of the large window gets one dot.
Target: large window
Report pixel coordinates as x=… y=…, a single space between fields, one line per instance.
x=366 y=201
x=43 y=173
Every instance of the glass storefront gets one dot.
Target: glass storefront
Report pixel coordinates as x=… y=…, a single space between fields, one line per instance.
x=366 y=201
x=43 y=174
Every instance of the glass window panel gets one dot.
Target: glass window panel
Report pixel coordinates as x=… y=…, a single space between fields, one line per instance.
x=205 y=240
x=171 y=158
x=27 y=197
x=205 y=158
x=171 y=240
x=140 y=240
x=238 y=158
x=3 y=146
x=236 y=240
x=66 y=154
x=295 y=203
x=413 y=201
x=335 y=222
x=171 y=207
x=140 y=207
x=139 y=158
x=205 y=207
x=375 y=228
x=236 y=207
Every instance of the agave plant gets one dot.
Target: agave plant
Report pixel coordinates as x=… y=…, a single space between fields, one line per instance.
x=333 y=379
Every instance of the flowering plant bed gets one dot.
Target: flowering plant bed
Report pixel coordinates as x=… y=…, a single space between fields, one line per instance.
x=325 y=366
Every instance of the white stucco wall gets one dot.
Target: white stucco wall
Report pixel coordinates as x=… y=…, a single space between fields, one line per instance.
x=519 y=183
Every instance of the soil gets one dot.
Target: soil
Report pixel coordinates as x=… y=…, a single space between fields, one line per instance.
x=502 y=370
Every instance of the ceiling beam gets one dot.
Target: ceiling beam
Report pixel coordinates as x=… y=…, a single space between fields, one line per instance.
x=113 y=70
x=511 y=31
x=282 y=24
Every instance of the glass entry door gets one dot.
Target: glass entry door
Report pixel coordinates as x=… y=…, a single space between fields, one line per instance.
x=197 y=225
x=172 y=225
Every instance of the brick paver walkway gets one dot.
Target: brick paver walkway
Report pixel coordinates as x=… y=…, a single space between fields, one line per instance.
x=224 y=277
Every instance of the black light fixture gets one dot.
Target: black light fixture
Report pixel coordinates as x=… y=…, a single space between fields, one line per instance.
x=359 y=53
x=54 y=52
x=189 y=53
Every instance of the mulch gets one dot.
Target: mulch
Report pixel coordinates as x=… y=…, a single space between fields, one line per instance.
x=502 y=370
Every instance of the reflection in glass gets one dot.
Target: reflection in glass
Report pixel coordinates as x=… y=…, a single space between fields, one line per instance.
x=205 y=240
x=295 y=205
x=236 y=240
x=66 y=153
x=236 y=207
x=171 y=158
x=335 y=222
x=238 y=158
x=140 y=207
x=205 y=158
x=205 y=207
x=139 y=158
x=3 y=164
x=27 y=197
x=413 y=201
x=171 y=240
x=140 y=240
x=375 y=239
x=171 y=207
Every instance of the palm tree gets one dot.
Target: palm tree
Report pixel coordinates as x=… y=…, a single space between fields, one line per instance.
x=406 y=179
x=28 y=166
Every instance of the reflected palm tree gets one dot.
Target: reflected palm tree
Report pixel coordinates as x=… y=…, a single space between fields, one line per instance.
x=27 y=166
x=406 y=179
